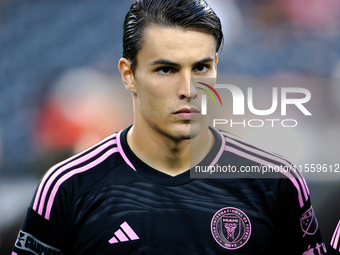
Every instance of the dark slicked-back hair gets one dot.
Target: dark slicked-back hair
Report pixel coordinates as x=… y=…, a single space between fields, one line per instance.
x=193 y=14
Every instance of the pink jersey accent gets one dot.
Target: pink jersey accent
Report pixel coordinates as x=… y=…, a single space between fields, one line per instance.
x=129 y=231
x=113 y=240
x=277 y=158
x=107 y=142
x=58 y=172
x=266 y=163
x=274 y=156
x=70 y=174
x=122 y=153
x=220 y=152
x=120 y=235
x=271 y=156
x=335 y=238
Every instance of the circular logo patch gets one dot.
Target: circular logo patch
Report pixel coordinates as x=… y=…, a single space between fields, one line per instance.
x=230 y=228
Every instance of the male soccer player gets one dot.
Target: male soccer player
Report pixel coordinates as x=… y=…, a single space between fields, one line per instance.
x=132 y=192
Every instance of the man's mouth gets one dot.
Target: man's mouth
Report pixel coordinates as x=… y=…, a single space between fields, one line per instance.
x=187 y=113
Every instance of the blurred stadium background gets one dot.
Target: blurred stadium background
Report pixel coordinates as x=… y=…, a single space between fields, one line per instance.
x=60 y=89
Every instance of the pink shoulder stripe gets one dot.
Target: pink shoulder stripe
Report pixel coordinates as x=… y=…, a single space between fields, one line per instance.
x=335 y=238
x=74 y=172
x=274 y=157
x=53 y=173
x=220 y=152
x=266 y=163
x=268 y=153
x=122 y=153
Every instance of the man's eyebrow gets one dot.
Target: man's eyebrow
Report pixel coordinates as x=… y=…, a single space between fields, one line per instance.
x=163 y=62
x=205 y=60
x=170 y=63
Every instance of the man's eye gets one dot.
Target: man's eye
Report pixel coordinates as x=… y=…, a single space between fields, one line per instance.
x=165 y=70
x=201 y=68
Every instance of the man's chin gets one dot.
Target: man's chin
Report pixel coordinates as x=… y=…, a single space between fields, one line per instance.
x=192 y=132
x=188 y=137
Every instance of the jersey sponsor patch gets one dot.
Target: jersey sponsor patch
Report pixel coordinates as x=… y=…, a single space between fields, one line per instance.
x=231 y=228
x=27 y=242
x=308 y=222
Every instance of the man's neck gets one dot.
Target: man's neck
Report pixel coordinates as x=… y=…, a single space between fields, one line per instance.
x=169 y=156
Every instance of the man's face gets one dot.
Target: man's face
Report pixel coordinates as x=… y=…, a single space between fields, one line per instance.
x=165 y=99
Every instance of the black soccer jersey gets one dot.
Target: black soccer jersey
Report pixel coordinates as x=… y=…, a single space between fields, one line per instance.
x=105 y=200
x=334 y=248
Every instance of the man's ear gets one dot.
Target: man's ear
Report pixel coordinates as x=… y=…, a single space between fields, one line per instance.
x=124 y=66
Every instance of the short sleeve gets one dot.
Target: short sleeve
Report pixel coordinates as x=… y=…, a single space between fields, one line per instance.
x=36 y=236
x=298 y=230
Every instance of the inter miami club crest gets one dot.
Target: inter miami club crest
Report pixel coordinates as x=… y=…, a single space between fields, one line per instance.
x=231 y=228
x=308 y=222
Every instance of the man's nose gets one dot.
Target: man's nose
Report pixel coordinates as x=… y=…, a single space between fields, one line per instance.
x=187 y=88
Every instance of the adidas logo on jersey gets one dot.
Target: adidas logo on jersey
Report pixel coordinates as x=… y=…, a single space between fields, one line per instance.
x=123 y=236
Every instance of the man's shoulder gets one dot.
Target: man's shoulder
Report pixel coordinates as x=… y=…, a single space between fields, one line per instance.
x=255 y=159
x=96 y=160
x=275 y=171
x=76 y=174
